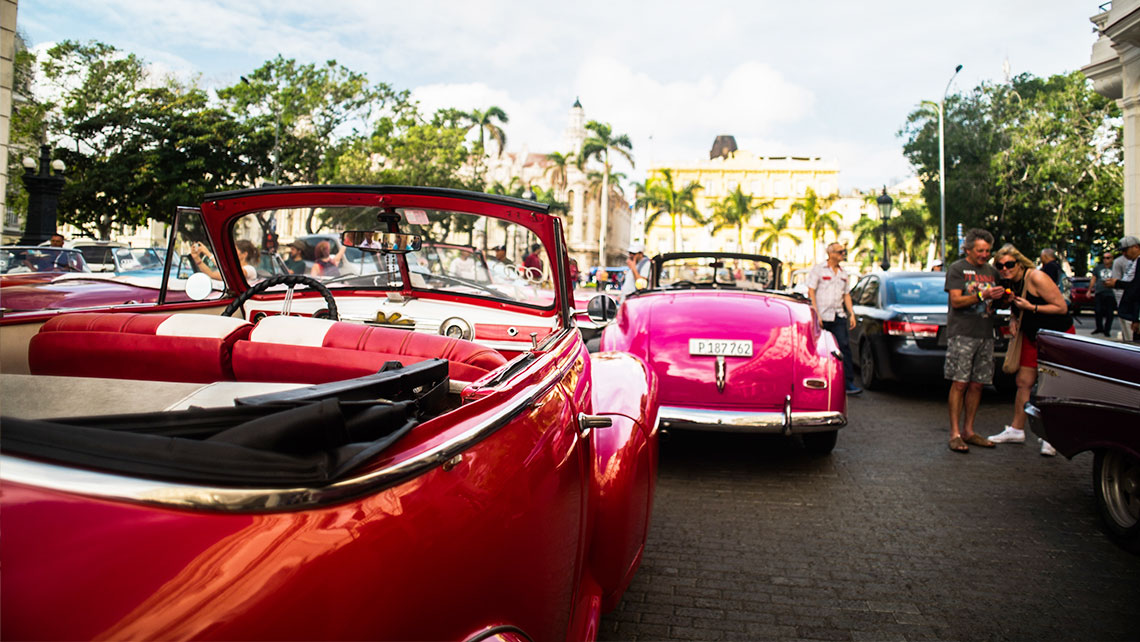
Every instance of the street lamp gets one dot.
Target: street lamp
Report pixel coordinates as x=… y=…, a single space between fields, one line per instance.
x=885 y=203
x=942 y=169
x=44 y=188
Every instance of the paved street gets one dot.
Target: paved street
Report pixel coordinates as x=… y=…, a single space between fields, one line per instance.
x=892 y=537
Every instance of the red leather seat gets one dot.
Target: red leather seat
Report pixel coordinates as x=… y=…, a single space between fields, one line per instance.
x=193 y=348
x=305 y=350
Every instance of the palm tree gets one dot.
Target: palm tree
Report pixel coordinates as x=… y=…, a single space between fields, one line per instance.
x=599 y=145
x=557 y=171
x=484 y=121
x=735 y=210
x=662 y=197
x=773 y=231
x=812 y=207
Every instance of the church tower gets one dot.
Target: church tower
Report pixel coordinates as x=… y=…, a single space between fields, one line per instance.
x=575 y=133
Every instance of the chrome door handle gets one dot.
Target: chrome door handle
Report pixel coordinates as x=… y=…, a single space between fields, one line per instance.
x=588 y=422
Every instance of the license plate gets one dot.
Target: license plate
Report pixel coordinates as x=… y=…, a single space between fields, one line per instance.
x=720 y=347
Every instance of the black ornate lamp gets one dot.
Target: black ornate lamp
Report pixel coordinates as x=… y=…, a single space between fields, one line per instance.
x=44 y=188
x=886 y=203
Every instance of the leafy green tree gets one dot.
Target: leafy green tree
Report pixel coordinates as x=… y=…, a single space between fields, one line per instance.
x=1035 y=161
x=736 y=210
x=548 y=196
x=774 y=230
x=661 y=196
x=598 y=145
x=817 y=216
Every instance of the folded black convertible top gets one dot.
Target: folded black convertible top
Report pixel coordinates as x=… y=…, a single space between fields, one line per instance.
x=304 y=437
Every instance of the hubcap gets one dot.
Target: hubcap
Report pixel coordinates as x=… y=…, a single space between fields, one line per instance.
x=1120 y=486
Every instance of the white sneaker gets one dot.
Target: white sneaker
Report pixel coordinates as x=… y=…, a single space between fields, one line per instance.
x=1047 y=449
x=1010 y=435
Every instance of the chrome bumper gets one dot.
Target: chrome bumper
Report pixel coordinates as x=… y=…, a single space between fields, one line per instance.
x=786 y=422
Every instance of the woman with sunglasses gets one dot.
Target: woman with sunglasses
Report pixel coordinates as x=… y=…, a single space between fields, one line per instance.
x=1035 y=304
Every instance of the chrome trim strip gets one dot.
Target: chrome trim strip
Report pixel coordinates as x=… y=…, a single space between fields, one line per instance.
x=759 y=422
x=254 y=500
x=1086 y=373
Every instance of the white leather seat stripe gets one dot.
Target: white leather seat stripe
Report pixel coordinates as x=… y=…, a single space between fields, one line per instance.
x=294 y=331
x=204 y=326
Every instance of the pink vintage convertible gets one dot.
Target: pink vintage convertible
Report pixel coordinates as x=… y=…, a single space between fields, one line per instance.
x=401 y=453
x=730 y=352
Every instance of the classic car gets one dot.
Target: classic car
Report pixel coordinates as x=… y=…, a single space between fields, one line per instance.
x=100 y=255
x=20 y=265
x=1088 y=399
x=1081 y=298
x=900 y=328
x=413 y=456
x=729 y=353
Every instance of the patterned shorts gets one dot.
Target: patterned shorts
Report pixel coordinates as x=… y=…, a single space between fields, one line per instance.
x=970 y=359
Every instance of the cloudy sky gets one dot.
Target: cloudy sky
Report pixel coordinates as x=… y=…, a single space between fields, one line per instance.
x=830 y=78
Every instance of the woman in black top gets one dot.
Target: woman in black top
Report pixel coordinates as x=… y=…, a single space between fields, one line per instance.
x=1035 y=304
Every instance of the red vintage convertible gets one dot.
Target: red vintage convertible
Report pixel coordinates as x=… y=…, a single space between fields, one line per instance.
x=399 y=454
x=730 y=352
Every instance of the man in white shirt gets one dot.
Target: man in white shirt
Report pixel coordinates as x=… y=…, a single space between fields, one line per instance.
x=828 y=291
x=638 y=268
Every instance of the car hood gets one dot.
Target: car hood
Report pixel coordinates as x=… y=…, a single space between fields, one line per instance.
x=758 y=382
x=73 y=293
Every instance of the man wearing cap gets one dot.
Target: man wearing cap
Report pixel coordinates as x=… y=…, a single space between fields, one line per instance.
x=1127 y=286
x=499 y=263
x=638 y=265
x=296 y=261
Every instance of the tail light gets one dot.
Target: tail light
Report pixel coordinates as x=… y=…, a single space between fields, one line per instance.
x=1005 y=331
x=907 y=328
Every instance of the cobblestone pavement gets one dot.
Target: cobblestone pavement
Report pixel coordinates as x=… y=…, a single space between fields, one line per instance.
x=891 y=537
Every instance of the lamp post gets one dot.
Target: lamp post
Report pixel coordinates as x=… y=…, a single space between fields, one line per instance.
x=885 y=203
x=942 y=169
x=44 y=189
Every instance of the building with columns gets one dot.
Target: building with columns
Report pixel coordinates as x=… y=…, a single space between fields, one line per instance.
x=1114 y=69
x=583 y=221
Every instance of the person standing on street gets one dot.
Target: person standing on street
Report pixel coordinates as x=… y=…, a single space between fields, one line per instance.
x=1104 y=297
x=1050 y=266
x=1123 y=273
x=828 y=291
x=638 y=265
x=972 y=284
x=1036 y=304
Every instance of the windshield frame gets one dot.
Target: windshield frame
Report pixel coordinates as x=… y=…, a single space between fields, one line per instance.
x=661 y=259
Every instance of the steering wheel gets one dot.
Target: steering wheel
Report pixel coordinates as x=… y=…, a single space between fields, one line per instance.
x=291 y=280
x=682 y=284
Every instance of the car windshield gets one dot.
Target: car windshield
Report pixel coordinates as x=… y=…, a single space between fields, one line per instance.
x=136 y=259
x=461 y=253
x=16 y=260
x=919 y=290
x=699 y=271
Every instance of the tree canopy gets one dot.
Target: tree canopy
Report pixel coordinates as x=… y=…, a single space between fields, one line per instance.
x=1036 y=161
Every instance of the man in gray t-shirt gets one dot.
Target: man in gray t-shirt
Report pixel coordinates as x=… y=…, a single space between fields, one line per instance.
x=970 y=340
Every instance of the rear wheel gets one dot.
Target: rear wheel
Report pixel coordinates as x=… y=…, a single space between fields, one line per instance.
x=820 y=443
x=1116 y=479
x=867 y=367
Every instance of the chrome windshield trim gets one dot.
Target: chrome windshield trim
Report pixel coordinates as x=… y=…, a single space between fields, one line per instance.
x=256 y=500
x=737 y=421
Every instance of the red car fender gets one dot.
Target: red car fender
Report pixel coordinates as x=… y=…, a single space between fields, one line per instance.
x=624 y=472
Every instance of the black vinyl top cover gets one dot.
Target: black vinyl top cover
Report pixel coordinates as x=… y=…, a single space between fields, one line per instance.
x=306 y=437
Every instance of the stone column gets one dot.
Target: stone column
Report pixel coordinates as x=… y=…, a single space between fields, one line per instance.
x=1130 y=105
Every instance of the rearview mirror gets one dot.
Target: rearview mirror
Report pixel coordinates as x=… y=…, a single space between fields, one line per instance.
x=382 y=242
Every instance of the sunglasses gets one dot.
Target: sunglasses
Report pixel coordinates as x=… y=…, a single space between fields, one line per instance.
x=1008 y=265
x=840 y=251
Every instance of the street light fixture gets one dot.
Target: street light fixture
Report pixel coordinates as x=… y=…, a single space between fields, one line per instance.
x=942 y=169
x=886 y=203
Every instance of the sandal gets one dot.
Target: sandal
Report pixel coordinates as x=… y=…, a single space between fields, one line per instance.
x=958 y=446
x=978 y=440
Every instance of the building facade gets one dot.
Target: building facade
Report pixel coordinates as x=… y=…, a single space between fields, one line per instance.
x=783 y=179
x=1114 y=69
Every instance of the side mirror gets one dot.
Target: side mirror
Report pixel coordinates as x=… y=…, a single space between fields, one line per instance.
x=198 y=286
x=601 y=309
x=382 y=242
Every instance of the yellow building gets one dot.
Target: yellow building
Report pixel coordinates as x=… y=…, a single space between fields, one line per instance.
x=782 y=178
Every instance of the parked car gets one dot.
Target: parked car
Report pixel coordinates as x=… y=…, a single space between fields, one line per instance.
x=1088 y=398
x=100 y=255
x=37 y=264
x=1080 y=297
x=900 y=329
x=431 y=460
x=730 y=355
